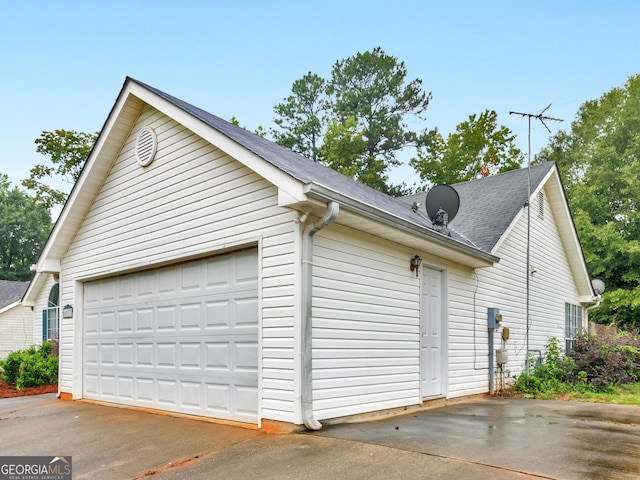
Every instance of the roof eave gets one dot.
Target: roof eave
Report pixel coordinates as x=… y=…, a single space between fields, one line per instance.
x=568 y=233
x=566 y=229
x=445 y=246
x=96 y=168
x=8 y=307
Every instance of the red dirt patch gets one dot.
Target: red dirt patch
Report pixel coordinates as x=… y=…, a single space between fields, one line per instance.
x=8 y=391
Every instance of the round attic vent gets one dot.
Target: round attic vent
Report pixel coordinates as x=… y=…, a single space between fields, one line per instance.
x=146 y=145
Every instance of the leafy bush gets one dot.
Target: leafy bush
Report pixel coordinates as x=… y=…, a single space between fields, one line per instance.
x=31 y=367
x=595 y=364
x=549 y=376
x=605 y=360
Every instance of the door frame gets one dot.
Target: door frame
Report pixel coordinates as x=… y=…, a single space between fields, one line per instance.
x=444 y=364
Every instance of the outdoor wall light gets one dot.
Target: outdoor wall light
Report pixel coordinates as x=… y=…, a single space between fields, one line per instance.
x=415 y=264
x=67 y=311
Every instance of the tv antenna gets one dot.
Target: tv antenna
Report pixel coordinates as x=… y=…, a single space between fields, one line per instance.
x=539 y=116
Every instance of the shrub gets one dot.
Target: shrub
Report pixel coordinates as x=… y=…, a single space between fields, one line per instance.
x=549 y=376
x=11 y=364
x=595 y=364
x=31 y=367
x=609 y=359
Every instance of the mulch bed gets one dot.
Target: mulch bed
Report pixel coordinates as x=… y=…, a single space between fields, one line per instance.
x=8 y=391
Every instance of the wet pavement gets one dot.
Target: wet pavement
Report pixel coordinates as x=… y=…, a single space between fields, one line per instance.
x=107 y=443
x=485 y=438
x=552 y=439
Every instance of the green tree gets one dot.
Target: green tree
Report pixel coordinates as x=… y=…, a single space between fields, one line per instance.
x=372 y=87
x=24 y=227
x=342 y=148
x=599 y=162
x=260 y=131
x=301 y=117
x=479 y=147
x=368 y=93
x=67 y=151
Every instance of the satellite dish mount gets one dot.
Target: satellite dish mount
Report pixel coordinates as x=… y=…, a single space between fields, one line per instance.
x=442 y=205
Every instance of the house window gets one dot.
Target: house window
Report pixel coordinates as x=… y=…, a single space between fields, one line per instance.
x=51 y=315
x=573 y=324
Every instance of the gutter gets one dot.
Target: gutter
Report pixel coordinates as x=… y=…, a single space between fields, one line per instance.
x=315 y=191
x=307 y=296
x=595 y=303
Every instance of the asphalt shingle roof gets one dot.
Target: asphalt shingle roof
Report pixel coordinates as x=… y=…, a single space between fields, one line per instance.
x=301 y=168
x=11 y=292
x=487 y=206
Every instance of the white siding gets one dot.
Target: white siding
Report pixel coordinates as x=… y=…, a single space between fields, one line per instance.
x=16 y=330
x=467 y=332
x=365 y=325
x=41 y=303
x=193 y=200
x=366 y=322
x=21 y=327
x=504 y=286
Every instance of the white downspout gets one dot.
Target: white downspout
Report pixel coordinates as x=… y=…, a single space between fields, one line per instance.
x=597 y=300
x=307 y=293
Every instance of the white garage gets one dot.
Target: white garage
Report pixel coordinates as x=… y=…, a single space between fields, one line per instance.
x=320 y=311
x=182 y=338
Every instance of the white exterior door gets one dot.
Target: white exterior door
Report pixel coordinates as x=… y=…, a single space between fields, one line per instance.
x=182 y=338
x=432 y=333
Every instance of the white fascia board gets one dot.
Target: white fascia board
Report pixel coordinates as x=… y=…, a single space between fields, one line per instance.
x=566 y=228
x=29 y=297
x=286 y=199
x=481 y=258
x=292 y=189
x=6 y=308
x=90 y=179
x=507 y=231
x=588 y=300
x=520 y=213
x=568 y=232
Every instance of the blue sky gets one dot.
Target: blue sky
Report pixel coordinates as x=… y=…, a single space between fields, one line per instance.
x=64 y=62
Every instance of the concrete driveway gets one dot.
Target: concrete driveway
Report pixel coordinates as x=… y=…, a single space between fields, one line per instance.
x=485 y=438
x=548 y=439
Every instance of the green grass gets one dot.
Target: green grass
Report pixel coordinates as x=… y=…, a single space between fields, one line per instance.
x=622 y=394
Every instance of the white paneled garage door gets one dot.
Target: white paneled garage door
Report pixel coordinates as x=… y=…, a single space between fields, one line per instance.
x=182 y=338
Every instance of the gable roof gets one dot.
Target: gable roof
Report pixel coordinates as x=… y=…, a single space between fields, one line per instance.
x=488 y=206
x=306 y=170
x=300 y=181
x=11 y=292
x=302 y=184
x=493 y=203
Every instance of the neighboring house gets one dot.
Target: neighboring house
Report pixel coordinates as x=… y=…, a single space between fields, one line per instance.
x=205 y=270
x=16 y=320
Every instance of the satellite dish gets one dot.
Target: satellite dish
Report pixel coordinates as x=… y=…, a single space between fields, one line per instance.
x=442 y=205
x=598 y=285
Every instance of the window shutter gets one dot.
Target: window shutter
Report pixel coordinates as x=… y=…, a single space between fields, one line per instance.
x=44 y=325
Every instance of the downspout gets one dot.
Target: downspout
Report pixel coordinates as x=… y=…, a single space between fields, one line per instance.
x=307 y=293
x=597 y=300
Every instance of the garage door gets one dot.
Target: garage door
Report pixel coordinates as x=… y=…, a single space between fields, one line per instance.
x=182 y=338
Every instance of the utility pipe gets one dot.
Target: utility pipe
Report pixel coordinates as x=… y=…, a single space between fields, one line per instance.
x=307 y=296
x=491 y=360
x=595 y=304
